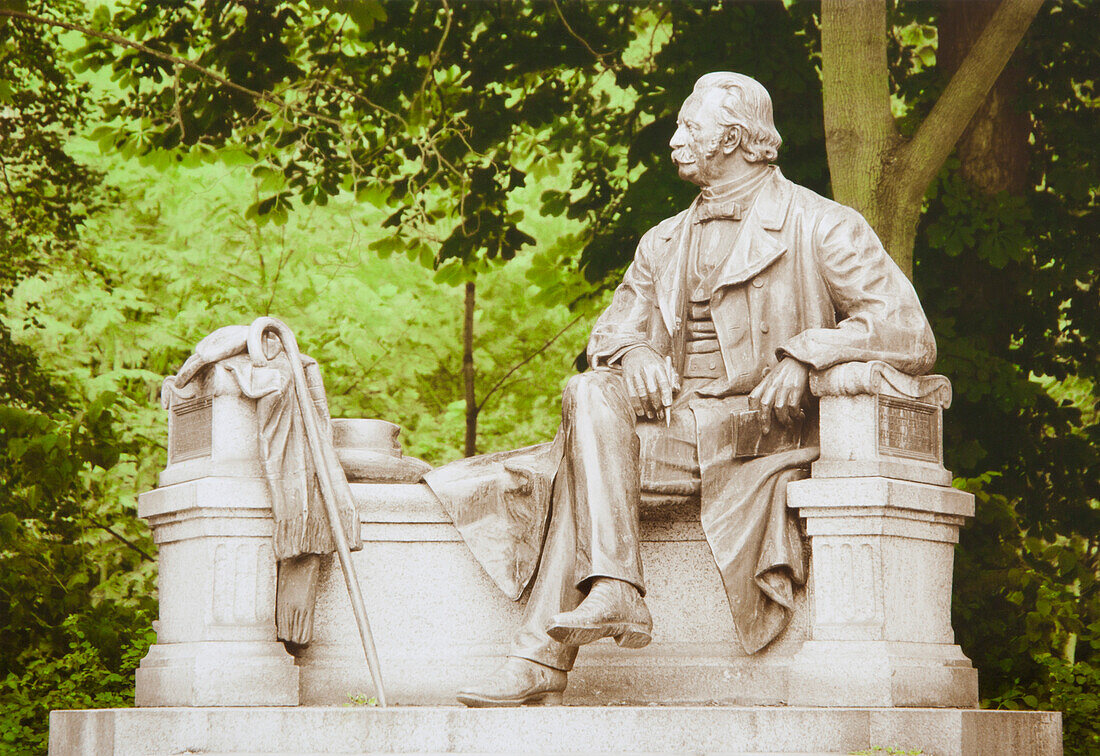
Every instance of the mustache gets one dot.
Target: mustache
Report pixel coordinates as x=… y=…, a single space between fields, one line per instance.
x=683 y=155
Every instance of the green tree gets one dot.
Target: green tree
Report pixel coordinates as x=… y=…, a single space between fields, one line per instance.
x=874 y=168
x=1006 y=261
x=64 y=562
x=283 y=85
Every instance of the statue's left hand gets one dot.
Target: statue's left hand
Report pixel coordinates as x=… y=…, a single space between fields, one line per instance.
x=781 y=392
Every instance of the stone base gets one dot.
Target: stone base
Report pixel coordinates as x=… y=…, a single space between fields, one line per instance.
x=441 y=625
x=882 y=673
x=217 y=674
x=881 y=634
x=560 y=729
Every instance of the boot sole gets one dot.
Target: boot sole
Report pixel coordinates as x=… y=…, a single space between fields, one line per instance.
x=626 y=635
x=476 y=701
x=633 y=639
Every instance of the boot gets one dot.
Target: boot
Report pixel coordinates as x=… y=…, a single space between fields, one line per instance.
x=612 y=608
x=518 y=682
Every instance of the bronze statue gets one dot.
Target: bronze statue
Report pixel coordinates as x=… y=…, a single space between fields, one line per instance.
x=698 y=390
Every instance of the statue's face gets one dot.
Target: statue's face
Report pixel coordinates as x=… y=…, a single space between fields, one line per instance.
x=700 y=148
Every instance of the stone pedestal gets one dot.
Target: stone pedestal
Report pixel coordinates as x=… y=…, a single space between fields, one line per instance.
x=868 y=662
x=441 y=624
x=883 y=521
x=211 y=519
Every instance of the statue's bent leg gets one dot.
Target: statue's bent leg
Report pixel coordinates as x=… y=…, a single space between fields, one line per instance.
x=553 y=590
x=596 y=497
x=593 y=496
x=593 y=529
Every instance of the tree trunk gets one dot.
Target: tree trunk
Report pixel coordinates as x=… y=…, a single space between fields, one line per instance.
x=872 y=167
x=860 y=134
x=468 y=374
x=993 y=153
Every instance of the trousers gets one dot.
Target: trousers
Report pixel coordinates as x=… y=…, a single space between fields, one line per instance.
x=611 y=458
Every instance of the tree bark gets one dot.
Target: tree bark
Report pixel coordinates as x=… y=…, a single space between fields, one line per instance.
x=993 y=153
x=468 y=373
x=859 y=128
x=872 y=168
x=860 y=135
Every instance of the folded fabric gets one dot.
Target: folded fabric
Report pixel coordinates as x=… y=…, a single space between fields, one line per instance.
x=301 y=525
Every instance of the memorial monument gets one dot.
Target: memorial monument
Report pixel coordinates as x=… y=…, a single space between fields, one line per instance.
x=746 y=503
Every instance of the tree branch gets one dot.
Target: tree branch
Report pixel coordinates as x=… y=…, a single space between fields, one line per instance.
x=527 y=359
x=122 y=538
x=177 y=108
x=434 y=60
x=7 y=183
x=118 y=40
x=598 y=56
x=923 y=156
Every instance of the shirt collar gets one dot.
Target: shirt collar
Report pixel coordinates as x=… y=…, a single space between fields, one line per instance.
x=741 y=191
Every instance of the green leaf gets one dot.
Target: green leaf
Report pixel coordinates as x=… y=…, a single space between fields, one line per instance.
x=234 y=156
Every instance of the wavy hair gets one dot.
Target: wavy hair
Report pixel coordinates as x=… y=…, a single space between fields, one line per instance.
x=748 y=105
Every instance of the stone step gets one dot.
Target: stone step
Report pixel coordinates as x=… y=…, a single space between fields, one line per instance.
x=622 y=753
x=298 y=731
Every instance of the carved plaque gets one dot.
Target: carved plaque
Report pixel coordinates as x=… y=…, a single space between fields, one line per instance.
x=908 y=429
x=191 y=428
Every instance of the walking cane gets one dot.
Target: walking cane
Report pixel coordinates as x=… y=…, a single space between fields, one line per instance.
x=260 y=327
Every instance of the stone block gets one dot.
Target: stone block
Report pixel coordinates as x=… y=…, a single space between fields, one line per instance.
x=876 y=421
x=302 y=731
x=441 y=624
x=881 y=635
x=213 y=432
x=882 y=673
x=216 y=641
x=221 y=673
x=883 y=552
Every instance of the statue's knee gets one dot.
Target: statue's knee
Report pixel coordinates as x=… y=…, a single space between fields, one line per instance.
x=573 y=388
x=588 y=392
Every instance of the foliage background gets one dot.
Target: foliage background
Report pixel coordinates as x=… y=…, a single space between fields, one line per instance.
x=520 y=151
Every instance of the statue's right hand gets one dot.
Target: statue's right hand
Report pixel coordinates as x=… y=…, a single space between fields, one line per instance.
x=650 y=382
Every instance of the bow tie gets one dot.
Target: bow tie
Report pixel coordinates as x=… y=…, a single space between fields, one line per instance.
x=717 y=210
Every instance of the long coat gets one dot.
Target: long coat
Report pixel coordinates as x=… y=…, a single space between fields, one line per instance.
x=806 y=278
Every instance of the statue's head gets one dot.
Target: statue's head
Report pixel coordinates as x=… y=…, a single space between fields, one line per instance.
x=725 y=121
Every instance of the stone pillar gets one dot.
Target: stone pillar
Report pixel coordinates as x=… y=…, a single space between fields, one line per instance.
x=883 y=520
x=211 y=518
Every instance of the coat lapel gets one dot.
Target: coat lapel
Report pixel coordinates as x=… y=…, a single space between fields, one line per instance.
x=756 y=248
x=670 y=283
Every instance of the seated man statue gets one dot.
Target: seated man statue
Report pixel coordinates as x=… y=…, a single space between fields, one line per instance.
x=698 y=390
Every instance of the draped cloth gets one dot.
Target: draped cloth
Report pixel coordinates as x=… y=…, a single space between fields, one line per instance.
x=301 y=524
